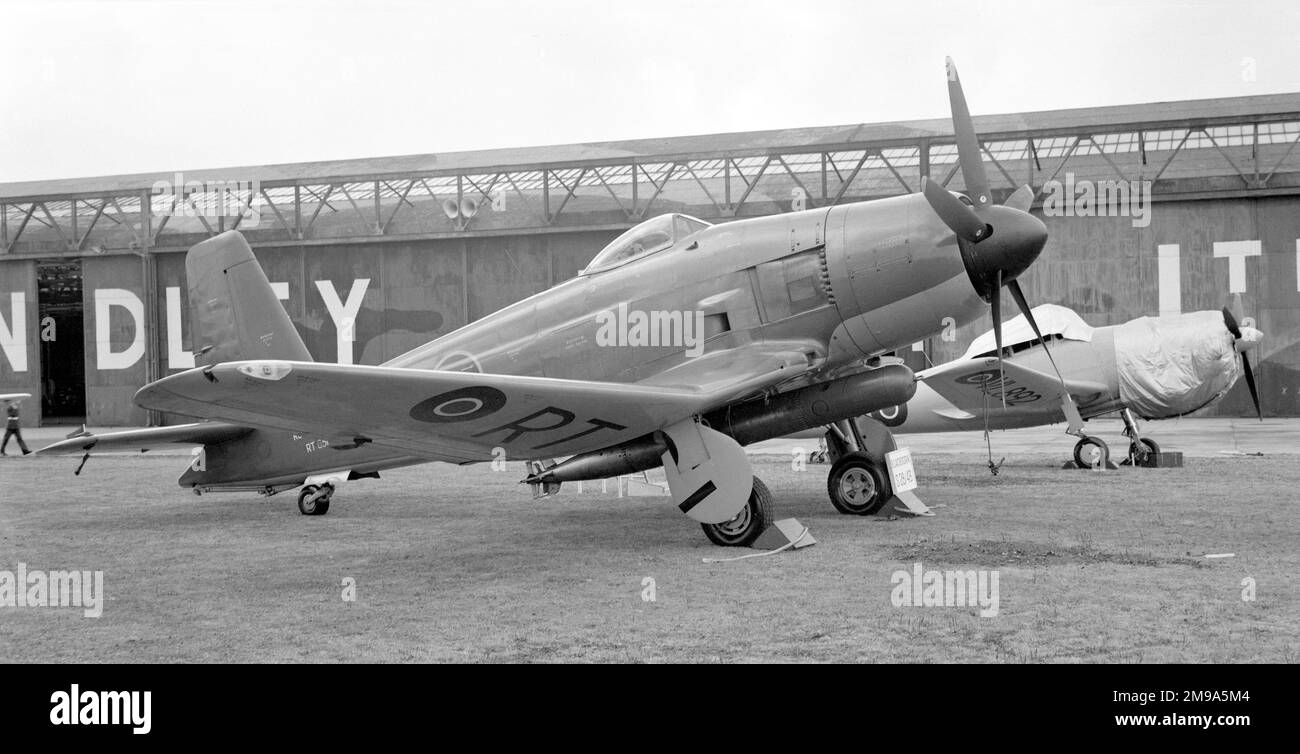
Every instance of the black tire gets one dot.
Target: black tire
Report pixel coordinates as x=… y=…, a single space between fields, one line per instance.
x=318 y=508
x=858 y=485
x=1083 y=452
x=745 y=528
x=1143 y=448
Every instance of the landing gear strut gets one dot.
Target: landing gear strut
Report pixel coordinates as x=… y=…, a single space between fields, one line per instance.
x=314 y=500
x=1140 y=448
x=746 y=527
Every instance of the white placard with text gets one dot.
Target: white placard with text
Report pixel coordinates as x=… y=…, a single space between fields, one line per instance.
x=902 y=475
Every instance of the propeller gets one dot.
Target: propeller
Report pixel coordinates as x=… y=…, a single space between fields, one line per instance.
x=1242 y=345
x=959 y=217
x=997 y=242
x=997 y=335
x=968 y=145
x=1021 y=199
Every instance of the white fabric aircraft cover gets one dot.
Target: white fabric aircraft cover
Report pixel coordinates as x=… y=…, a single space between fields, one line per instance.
x=1051 y=319
x=1171 y=366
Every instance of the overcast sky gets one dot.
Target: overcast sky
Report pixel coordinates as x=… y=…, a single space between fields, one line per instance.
x=99 y=88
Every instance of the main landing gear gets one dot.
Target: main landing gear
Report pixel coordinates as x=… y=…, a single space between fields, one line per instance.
x=314 y=500
x=1140 y=448
x=858 y=483
x=1091 y=452
x=746 y=527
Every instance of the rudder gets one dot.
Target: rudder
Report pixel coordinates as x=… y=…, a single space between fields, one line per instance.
x=234 y=313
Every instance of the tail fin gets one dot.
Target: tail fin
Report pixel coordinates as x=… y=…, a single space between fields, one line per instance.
x=235 y=314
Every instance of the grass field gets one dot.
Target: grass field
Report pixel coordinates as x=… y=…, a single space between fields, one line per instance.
x=458 y=564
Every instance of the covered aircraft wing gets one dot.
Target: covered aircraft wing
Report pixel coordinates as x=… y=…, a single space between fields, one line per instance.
x=455 y=416
x=973 y=384
x=143 y=440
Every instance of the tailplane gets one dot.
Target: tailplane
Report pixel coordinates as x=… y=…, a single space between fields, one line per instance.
x=235 y=314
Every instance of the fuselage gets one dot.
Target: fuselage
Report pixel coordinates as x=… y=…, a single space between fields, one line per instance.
x=848 y=282
x=838 y=284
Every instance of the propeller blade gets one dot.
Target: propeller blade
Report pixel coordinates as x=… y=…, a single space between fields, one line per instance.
x=997 y=335
x=1250 y=383
x=1019 y=296
x=1067 y=401
x=1022 y=199
x=1231 y=323
x=968 y=145
x=959 y=218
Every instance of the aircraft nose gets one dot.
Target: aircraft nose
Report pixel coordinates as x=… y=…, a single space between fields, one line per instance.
x=1017 y=240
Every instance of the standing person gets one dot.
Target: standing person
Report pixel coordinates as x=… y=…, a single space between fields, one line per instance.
x=12 y=429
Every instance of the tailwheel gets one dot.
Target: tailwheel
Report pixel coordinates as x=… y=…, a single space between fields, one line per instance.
x=1143 y=449
x=1091 y=451
x=857 y=485
x=752 y=520
x=314 y=500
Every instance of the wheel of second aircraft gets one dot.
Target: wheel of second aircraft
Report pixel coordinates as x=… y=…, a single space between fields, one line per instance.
x=746 y=527
x=1089 y=451
x=1142 y=449
x=307 y=507
x=857 y=485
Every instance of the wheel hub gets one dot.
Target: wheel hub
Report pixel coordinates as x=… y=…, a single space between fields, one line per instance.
x=857 y=486
x=737 y=525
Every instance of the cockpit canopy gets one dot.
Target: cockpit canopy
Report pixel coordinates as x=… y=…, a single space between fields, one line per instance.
x=653 y=235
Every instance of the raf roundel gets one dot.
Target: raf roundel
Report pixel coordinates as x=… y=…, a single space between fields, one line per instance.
x=460 y=405
x=892 y=416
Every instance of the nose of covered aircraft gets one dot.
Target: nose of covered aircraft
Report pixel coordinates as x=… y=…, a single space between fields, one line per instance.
x=1015 y=241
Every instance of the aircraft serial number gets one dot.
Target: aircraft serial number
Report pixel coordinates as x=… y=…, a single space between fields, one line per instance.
x=997 y=387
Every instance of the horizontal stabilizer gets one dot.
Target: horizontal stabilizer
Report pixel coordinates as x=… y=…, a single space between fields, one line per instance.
x=143 y=440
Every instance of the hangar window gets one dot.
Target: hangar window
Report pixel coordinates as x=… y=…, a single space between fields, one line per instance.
x=650 y=236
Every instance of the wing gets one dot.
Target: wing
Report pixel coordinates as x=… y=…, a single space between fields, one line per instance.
x=145 y=440
x=972 y=385
x=455 y=416
x=734 y=373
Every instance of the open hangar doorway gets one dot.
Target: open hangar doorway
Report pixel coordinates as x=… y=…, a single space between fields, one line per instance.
x=61 y=318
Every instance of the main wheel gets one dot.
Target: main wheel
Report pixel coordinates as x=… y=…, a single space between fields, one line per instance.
x=752 y=520
x=858 y=485
x=1089 y=451
x=1142 y=449
x=309 y=507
